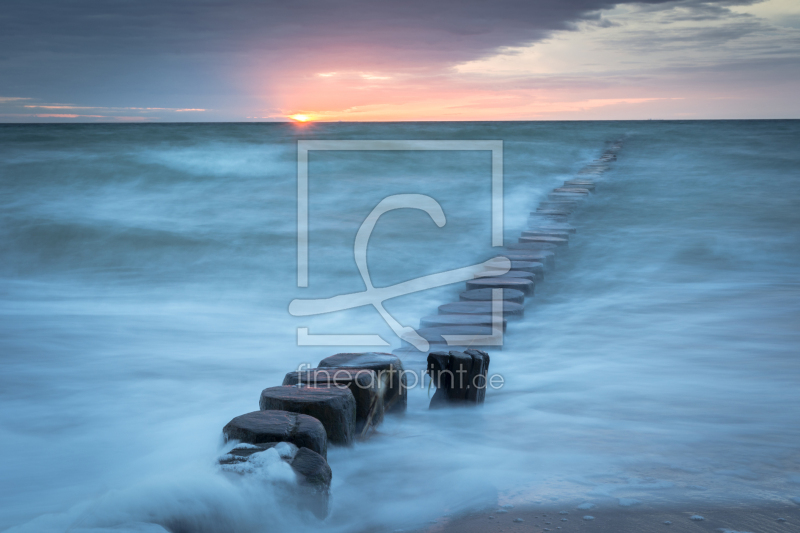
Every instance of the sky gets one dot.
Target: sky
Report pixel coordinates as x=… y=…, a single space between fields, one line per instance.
x=360 y=60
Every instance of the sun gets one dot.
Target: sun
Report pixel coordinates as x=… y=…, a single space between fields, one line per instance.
x=300 y=118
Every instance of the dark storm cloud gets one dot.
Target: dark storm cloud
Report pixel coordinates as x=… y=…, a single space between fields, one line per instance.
x=441 y=27
x=37 y=34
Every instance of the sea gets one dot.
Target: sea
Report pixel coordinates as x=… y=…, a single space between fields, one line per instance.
x=146 y=272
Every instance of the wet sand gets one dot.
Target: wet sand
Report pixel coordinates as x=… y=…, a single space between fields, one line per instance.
x=753 y=518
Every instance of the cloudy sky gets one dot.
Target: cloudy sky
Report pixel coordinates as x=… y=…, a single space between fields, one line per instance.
x=263 y=60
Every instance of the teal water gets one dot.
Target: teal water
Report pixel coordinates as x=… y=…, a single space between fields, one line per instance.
x=147 y=269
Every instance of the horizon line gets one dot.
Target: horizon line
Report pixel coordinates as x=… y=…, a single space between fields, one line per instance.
x=306 y=124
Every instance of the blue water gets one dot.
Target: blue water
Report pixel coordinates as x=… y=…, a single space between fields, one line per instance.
x=147 y=269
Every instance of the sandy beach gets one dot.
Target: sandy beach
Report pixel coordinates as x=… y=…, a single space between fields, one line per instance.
x=733 y=518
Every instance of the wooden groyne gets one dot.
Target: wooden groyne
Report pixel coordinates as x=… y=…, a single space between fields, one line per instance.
x=342 y=400
x=532 y=258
